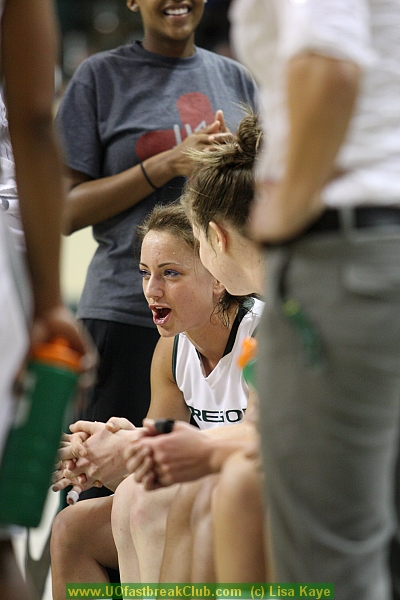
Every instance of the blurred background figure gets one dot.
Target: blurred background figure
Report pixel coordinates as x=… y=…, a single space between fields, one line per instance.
x=97 y=25
x=328 y=212
x=32 y=307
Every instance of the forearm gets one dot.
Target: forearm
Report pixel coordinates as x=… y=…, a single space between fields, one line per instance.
x=29 y=85
x=96 y=200
x=40 y=197
x=321 y=95
x=224 y=441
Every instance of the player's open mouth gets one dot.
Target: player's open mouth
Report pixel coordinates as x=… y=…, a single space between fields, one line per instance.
x=160 y=314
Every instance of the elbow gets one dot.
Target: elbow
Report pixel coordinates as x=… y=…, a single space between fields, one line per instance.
x=70 y=221
x=68 y=224
x=66 y=227
x=343 y=79
x=336 y=78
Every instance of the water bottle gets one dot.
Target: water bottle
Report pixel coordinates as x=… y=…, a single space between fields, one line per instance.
x=247 y=360
x=33 y=441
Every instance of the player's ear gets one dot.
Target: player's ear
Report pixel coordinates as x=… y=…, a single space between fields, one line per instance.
x=218 y=235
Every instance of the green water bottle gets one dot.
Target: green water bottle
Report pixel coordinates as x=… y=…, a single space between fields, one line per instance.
x=33 y=441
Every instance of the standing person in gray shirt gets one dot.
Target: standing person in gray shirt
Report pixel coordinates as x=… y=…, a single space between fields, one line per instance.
x=126 y=119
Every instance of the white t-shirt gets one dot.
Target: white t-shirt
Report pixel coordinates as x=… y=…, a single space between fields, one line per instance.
x=8 y=187
x=221 y=397
x=13 y=329
x=267 y=33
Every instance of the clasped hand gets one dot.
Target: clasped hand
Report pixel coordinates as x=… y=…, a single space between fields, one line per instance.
x=92 y=454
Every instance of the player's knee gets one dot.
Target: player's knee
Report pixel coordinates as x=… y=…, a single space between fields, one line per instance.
x=203 y=500
x=123 y=500
x=142 y=507
x=66 y=531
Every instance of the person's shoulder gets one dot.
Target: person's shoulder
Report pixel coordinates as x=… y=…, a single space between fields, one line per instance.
x=99 y=59
x=164 y=348
x=94 y=59
x=90 y=65
x=223 y=62
x=100 y=67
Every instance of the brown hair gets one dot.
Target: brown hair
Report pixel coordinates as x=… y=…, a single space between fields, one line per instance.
x=222 y=184
x=173 y=219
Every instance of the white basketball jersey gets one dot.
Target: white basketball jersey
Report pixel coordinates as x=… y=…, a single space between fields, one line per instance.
x=221 y=397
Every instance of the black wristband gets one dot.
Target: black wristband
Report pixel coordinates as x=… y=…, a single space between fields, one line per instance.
x=147 y=178
x=164 y=425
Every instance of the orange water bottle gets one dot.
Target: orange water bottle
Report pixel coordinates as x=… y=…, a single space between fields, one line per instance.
x=247 y=360
x=33 y=441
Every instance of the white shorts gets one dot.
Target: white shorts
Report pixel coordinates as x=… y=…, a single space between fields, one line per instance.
x=13 y=326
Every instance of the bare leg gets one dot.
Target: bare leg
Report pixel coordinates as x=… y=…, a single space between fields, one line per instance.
x=82 y=544
x=238 y=518
x=12 y=584
x=177 y=559
x=121 y=529
x=139 y=520
x=203 y=567
x=215 y=528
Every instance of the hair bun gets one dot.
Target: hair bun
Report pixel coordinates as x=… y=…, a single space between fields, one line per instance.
x=249 y=137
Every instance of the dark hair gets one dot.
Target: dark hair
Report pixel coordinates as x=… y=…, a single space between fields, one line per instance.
x=222 y=183
x=173 y=219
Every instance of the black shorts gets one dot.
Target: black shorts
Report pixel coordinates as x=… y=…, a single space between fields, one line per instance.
x=123 y=379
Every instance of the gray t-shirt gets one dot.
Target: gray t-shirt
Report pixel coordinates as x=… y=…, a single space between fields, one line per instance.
x=121 y=107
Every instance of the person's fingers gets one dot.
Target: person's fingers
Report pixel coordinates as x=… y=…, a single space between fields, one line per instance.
x=150 y=481
x=136 y=458
x=56 y=476
x=85 y=427
x=212 y=128
x=217 y=139
x=72 y=450
x=73 y=495
x=149 y=426
x=61 y=485
x=219 y=116
x=162 y=475
x=74 y=475
x=115 y=424
x=145 y=466
x=131 y=449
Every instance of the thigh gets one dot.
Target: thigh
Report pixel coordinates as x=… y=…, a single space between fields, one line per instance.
x=85 y=528
x=238 y=518
x=139 y=522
